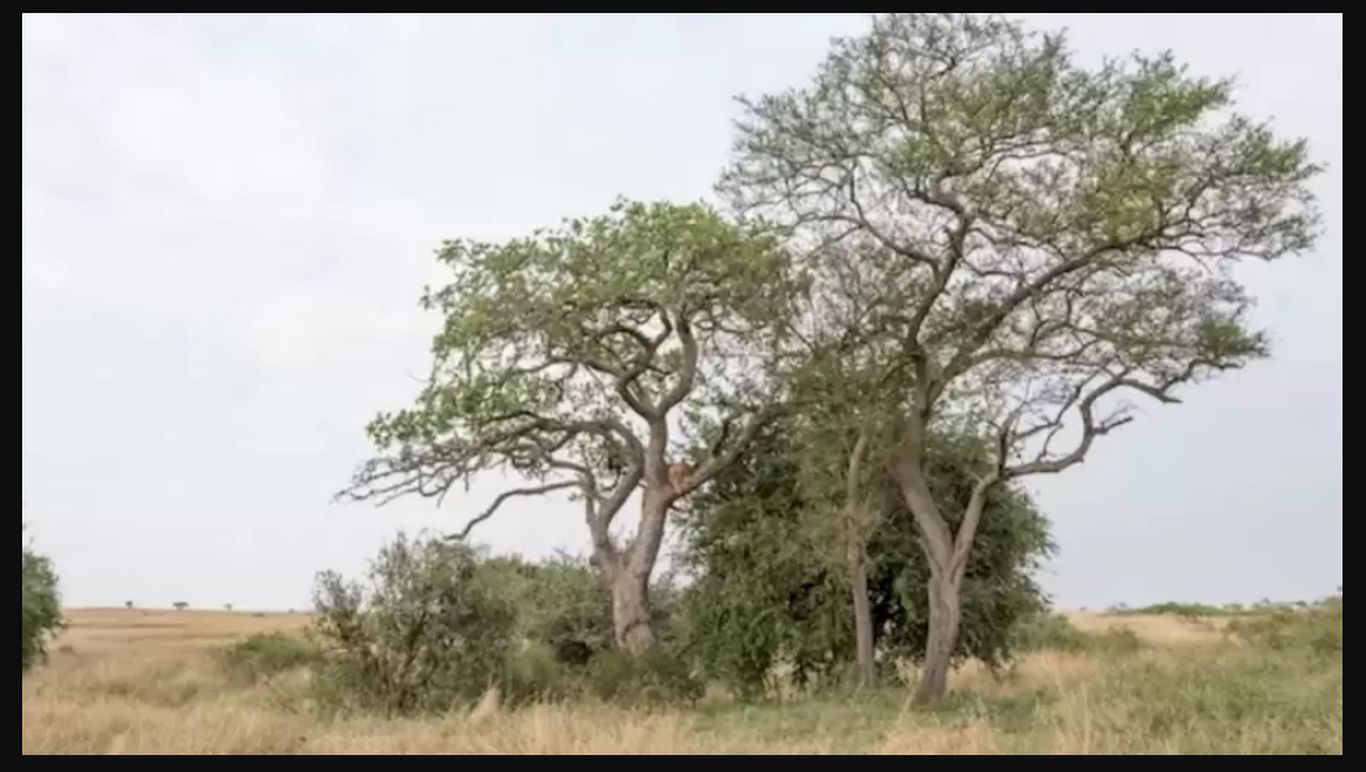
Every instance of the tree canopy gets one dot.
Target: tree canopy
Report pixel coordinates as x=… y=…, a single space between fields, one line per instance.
x=1033 y=240
x=592 y=359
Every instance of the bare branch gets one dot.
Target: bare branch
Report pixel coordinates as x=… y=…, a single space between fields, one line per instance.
x=502 y=497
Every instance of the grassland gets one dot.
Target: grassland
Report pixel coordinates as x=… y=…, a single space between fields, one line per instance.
x=135 y=681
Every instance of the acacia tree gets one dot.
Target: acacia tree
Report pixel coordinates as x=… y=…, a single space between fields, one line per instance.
x=1047 y=240
x=589 y=359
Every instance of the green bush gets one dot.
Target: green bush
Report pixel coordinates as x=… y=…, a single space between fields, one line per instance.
x=263 y=655
x=561 y=604
x=1188 y=610
x=535 y=674
x=654 y=677
x=427 y=632
x=1317 y=629
x=42 y=607
x=766 y=598
x=1051 y=632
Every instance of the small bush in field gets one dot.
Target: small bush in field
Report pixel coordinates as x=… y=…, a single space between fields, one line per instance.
x=425 y=633
x=263 y=655
x=1053 y=632
x=1049 y=632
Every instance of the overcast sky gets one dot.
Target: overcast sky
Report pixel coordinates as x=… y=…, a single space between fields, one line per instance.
x=227 y=222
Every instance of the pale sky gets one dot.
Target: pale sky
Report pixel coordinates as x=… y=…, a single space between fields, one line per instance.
x=227 y=222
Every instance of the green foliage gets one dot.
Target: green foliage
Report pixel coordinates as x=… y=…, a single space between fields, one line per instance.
x=584 y=358
x=653 y=677
x=265 y=654
x=427 y=631
x=562 y=605
x=1175 y=608
x=550 y=342
x=763 y=596
x=1015 y=240
x=41 y=606
x=1316 y=629
x=536 y=673
x=437 y=625
x=1049 y=632
x=1053 y=632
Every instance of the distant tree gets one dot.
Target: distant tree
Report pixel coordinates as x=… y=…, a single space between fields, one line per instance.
x=128 y=604
x=180 y=605
x=227 y=607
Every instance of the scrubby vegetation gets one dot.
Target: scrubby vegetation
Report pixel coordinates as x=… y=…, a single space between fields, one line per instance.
x=42 y=606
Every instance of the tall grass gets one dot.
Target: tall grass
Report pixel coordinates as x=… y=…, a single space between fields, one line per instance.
x=1276 y=688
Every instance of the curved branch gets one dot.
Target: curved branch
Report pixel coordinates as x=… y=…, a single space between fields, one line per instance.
x=504 y=496
x=687 y=371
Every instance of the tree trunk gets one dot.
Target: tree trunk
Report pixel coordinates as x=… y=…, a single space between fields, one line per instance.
x=946 y=612
x=630 y=576
x=856 y=517
x=631 y=610
x=863 y=622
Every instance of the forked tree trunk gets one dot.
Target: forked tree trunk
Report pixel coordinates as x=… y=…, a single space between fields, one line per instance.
x=947 y=554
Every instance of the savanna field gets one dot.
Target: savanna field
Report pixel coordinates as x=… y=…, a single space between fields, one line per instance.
x=773 y=436
x=1183 y=681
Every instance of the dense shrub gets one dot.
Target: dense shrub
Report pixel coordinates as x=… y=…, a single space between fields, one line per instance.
x=535 y=674
x=437 y=624
x=1049 y=632
x=42 y=607
x=765 y=599
x=654 y=677
x=263 y=655
x=561 y=604
x=425 y=633
x=1317 y=629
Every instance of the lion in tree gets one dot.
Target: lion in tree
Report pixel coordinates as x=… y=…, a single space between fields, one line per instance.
x=679 y=474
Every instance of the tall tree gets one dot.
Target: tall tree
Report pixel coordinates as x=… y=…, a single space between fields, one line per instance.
x=1047 y=240
x=591 y=359
x=839 y=444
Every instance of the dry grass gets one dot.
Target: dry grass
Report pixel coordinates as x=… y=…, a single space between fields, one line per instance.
x=142 y=682
x=1154 y=629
